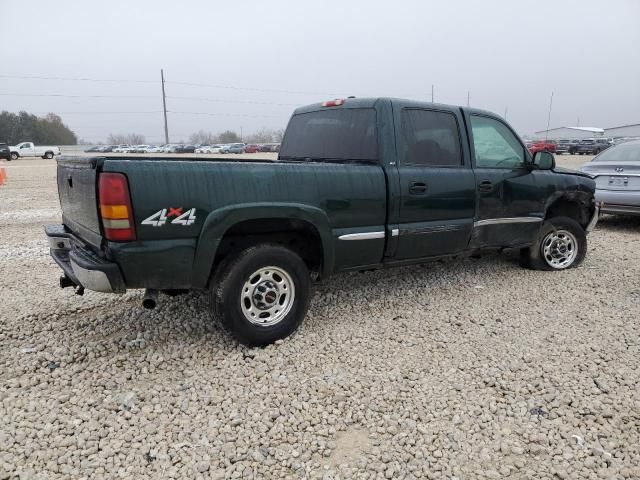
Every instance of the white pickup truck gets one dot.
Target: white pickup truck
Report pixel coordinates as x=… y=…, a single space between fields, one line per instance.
x=28 y=149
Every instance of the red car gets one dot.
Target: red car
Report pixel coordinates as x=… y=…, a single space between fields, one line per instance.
x=542 y=146
x=251 y=148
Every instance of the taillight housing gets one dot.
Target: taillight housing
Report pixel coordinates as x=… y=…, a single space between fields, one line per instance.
x=115 y=207
x=333 y=103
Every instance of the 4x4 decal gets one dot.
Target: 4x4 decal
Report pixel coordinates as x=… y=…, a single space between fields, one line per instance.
x=161 y=217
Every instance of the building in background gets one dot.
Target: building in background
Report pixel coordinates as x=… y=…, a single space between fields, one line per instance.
x=570 y=133
x=623 y=131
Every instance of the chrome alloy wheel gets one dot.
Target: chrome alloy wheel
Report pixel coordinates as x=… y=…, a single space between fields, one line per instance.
x=559 y=249
x=267 y=296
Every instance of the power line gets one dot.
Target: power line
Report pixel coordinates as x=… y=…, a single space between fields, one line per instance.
x=98 y=113
x=190 y=84
x=42 y=77
x=62 y=95
x=251 y=89
x=247 y=102
x=225 y=114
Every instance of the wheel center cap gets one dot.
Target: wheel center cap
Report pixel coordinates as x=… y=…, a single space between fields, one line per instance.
x=265 y=294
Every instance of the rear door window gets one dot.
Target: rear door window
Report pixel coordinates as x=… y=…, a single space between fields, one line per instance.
x=431 y=138
x=339 y=134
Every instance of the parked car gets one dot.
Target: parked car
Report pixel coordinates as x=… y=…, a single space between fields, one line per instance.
x=232 y=148
x=120 y=148
x=251 y=148
x=5 y=153
x=28 y=149
x=542 y=146
x=566 y=146
x=617 y=174
x=155 y=149
x=592 y=146
x=97 y=148
x=202 y=149
x=254 y=235
x=185 y=149
x=266 y=147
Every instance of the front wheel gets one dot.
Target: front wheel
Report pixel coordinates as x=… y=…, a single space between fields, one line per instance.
x=261 y=294
x=561 y=244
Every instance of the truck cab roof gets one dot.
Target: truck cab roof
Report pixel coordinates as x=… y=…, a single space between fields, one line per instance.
x=373 y=102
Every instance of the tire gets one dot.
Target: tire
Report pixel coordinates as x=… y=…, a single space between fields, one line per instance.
x=561 y=243
x=249 y=287
x=14 y=156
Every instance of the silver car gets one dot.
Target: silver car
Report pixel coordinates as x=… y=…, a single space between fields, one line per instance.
x=617 y=175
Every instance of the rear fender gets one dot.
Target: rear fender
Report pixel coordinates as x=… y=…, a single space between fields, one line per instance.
x=219 y=221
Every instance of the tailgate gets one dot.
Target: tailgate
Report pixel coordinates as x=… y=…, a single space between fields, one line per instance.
x=77 y=191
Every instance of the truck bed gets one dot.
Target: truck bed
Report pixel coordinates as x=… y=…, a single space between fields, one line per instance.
x=220 y=192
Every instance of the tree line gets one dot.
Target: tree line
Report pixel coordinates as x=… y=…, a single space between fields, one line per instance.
x=25 y=127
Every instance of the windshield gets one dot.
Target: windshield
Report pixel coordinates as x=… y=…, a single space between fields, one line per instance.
x=625 y=152
x=340 y=134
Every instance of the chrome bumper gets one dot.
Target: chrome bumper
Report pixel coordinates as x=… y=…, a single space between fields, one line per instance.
x=594 y=218
x=82 y=266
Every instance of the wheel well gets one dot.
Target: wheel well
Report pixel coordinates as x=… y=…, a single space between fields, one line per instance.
x=298 y=235
x=564 y=207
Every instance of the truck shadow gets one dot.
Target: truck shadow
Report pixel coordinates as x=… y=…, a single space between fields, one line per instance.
x=619 y=223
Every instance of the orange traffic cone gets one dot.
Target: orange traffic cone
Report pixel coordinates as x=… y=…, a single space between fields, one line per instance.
x=3 y=176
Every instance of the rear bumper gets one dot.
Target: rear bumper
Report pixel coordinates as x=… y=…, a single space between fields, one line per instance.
x=81 y=265
x=619 y=202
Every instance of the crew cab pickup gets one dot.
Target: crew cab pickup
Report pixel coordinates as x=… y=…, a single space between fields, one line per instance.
x=592 y=146
x=28 y=149
x=359 y=184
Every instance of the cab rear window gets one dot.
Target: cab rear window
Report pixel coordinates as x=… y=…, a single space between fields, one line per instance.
x=336 y=134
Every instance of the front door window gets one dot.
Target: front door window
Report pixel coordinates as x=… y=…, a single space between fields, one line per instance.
x=495 y=145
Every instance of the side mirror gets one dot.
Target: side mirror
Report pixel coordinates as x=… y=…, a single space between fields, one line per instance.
x=544 y=160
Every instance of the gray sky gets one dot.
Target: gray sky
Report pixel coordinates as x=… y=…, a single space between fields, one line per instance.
x=507 y=54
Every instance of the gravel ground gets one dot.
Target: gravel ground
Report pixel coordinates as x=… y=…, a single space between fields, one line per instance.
x=464 y=369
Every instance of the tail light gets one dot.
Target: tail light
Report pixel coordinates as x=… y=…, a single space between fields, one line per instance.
x=115 y=207
x=333 y=103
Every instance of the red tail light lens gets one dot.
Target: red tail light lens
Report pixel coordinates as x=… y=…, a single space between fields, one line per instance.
x=333 y=103
x=115 y=207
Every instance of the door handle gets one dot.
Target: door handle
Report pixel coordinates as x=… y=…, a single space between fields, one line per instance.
x=417 y=188
x=485 y=186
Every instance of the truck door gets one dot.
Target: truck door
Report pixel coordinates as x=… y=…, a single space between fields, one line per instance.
x=437 y=186
x=27 y=149
x=510 y=203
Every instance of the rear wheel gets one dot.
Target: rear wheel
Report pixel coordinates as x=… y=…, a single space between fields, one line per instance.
x=14 y=156
x=561 y=244
x=261 y=294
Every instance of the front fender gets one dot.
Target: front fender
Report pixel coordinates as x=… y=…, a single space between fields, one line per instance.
x=219 y=221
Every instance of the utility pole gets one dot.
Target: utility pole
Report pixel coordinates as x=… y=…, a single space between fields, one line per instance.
x=505 y=113
x=164 y=108
x=578 y=124
x=468 y=96
x=432 y=93
x=241 y=133
x=549 y=118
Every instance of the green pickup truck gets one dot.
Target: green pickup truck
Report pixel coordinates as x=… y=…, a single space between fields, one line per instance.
x=359 y=184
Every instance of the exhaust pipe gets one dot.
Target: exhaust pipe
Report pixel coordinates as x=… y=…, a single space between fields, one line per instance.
x=150 y=299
